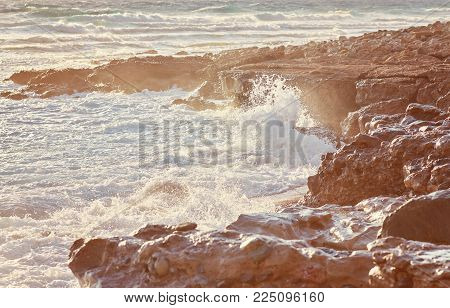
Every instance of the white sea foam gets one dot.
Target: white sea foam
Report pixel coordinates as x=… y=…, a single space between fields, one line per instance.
x=33 y=248
x=102 y=30
x=69 y=165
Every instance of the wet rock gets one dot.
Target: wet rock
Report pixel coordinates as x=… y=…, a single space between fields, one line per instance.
x=371 y=91
x=336 y=77
x=91 y=254
x=355 y=121
x=403 y=263
x=211 y=260
x=256 y=248
x=155 y=231
x=443 y=102
x=366 y=141
x=424 y=219
x=322 y=133
x=13 y=95
x=299 y=246
x=161 y=266
x=396 y=156
x=387 y=90
x=189 y=226
x=133 y=75
x=197 y=103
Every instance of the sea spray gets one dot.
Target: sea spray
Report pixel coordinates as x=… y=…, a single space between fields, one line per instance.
x=276 y=110
x=98 y=189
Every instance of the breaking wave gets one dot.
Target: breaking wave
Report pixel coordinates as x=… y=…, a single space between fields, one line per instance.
x=34 y=242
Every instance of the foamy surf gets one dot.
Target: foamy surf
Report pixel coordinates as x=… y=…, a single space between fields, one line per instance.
x=33 y=248
x=70 y=164
x=94 y=31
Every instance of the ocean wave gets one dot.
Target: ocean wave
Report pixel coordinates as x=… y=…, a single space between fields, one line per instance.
x=272 y=16
x=32 y=39
x=107 y=195
x=48 y=11
x=302 y=16
x=88 y=142
x=217 y=9
x=438 y=9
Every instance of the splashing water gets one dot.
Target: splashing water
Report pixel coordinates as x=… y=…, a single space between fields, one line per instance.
x=92 y=194
x=69 y=165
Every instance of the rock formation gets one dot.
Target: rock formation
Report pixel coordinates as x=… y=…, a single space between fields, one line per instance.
x=387 y=95
x=401 y=263
x=301 y=246
x=132 y=75
x=402 y=154
x=336 y=77
x=298 y=247
x=422 y=219
x=377 y=210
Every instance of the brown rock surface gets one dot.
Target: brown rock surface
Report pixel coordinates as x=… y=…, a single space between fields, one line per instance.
x=330 y=246
x=300 y=246
x=133 y=75
x=397 y=155
x=389 y=91
x=424 y=219
x=402 y=263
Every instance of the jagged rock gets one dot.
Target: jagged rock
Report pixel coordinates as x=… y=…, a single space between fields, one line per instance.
x=424 y=219
x=300 y=246
x=151 y=231
x=391 y=87
x=197 y=103
x=402 y=263
x=133 y=75
x=444 y=102
x=13 y=95
x=322 y=133
x=374 y=90
x=221 y=259
x=355 y=122
x=394 y=158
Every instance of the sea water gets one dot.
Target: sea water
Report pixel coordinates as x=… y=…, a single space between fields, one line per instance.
x=105 y=164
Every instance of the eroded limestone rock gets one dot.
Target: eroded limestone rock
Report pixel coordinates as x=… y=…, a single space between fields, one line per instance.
x=397 y=155
x=329 y=246
x=402 y=263
x=336 y=77
x=300 y=246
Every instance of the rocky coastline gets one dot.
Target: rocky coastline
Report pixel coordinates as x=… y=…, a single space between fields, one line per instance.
x=377 y=212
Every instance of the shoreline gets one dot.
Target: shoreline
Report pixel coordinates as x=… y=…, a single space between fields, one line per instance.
x=374 y=215
x=374 y=211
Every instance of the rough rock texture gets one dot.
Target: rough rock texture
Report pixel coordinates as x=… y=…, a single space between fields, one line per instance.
x=387 y=94
x=405 y=154
x=300 y=246
x=402 y=263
